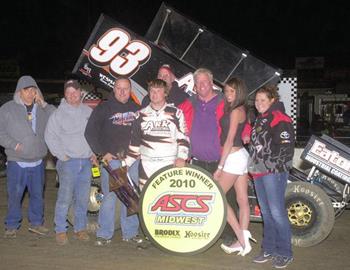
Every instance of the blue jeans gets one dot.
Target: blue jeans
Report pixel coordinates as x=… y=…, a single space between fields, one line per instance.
x=74 y=177
x=106 y=217
x=18 y=179
x=270 y=190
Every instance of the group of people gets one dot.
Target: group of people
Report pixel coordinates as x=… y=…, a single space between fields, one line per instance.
x=210 y=129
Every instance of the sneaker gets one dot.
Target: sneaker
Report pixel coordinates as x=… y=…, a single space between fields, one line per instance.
x=100 y=241
x=61 y=238
x=263 y=257
x=281 y=261
x=10 y=233
x=81 y=235
x=135 y=240
x=41 y=230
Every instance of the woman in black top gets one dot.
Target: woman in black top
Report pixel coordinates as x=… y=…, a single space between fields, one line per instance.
x=232 y=169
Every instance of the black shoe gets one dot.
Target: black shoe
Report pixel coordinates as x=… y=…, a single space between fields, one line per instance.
x=100 y=241
x=263 y=257
x=137 y=239
x=281 y=261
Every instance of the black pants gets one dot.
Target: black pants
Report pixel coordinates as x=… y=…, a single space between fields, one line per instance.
x=227 y=235
x=209 y=166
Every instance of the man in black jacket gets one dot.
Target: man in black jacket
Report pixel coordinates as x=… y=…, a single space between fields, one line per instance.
x=108 y=134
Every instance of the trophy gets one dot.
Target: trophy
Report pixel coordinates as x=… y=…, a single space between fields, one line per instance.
x=122 y=185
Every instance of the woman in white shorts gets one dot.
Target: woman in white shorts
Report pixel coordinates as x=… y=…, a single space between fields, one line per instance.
x=232 y=169
x=236 y=162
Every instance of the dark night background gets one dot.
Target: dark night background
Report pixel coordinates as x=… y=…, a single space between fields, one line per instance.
x=46 y=37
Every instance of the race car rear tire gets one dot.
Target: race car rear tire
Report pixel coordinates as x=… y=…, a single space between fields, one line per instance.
x=95 y=200
x=310 y=213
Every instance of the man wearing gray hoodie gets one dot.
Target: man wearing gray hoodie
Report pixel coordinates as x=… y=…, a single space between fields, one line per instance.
x=64 y=136
x=22 y=125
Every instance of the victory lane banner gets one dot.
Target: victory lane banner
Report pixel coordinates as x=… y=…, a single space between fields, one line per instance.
x=182 y=210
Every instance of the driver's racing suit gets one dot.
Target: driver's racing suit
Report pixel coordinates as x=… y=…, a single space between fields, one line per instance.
x=158 y=138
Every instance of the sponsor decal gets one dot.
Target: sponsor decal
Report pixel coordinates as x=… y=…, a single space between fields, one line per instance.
x=123 y=119
x=86 y=70
x=284 y=135
x=106 y=80
x=258 y=129
x=156 y=127
x=183 y=210
x=327 y=159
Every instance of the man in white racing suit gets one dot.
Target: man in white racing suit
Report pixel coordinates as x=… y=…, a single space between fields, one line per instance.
x=158 y=134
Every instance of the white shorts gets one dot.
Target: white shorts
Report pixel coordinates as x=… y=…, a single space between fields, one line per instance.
x=237 y=162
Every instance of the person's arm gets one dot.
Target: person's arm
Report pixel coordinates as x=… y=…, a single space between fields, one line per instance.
x=187 y=108
x=282 y=141
x=246 y=133
x=47 y=108
x=53 y=138
x=93 y=130
x=134 y=147
x=183 y=142
x=5 y=139
x=235 y=117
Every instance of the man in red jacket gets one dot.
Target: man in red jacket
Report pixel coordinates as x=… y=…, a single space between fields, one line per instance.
x=202 y=114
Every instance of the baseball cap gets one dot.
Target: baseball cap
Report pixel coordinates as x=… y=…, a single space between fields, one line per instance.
x=167 y=67
x=72 y=83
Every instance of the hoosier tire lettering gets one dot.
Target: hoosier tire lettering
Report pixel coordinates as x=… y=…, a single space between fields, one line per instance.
x=197 y=235
x=310 y=213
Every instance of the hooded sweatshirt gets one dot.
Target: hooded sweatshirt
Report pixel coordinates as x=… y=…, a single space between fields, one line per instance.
x=16 y=128
x=64 y=133
x=109 y=127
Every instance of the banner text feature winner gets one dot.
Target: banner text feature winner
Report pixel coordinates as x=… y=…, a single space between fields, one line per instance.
x=183 y=210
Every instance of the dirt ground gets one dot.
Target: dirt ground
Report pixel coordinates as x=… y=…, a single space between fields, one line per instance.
x=29 y=251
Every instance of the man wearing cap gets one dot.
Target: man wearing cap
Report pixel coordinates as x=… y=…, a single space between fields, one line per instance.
x=64 y=136
x=176 y=95
x=22 y=125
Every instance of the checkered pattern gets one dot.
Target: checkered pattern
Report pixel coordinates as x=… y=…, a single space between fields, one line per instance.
x=88 y=92
x=92 y=96
x=289 y=84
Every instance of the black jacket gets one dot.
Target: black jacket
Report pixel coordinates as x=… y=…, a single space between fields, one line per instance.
x=109 y=126
x=272 y=141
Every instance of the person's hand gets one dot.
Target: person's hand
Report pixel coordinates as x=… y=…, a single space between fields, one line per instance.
x=217 y=174
x=108 y=157
x=246 y=140
x=93 y=160
x=180 y=162
x=39 y=99
x=19 y=147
